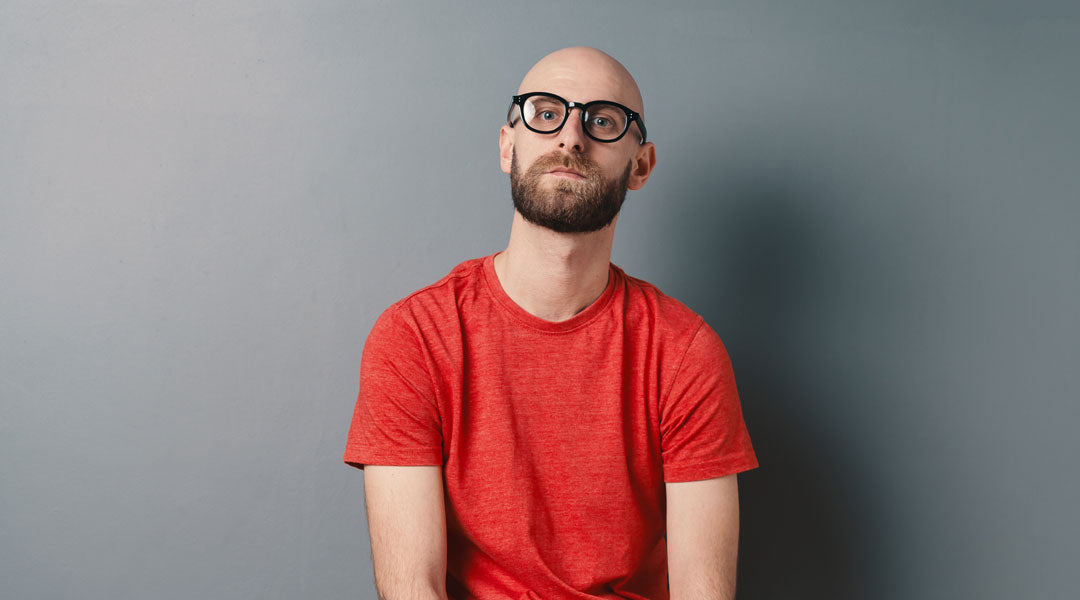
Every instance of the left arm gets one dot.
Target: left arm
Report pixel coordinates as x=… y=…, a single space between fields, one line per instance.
x=703 y=538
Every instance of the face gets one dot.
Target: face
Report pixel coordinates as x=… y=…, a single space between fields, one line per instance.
x=566 y=181
x=566 y=193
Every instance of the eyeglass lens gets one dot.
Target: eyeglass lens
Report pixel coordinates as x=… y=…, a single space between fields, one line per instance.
x=546 y=114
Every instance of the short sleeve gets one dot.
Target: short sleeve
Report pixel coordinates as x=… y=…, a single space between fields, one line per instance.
x=701 y=425
x=396 y=420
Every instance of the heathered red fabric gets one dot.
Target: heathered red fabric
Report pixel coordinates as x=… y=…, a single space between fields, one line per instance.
x=555 y=438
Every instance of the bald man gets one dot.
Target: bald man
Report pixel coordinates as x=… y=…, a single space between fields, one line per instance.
x=538 y=423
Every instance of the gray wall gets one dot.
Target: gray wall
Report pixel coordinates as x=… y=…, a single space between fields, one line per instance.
x=205 y=205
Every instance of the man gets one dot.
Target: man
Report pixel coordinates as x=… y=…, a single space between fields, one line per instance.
x=537 y=423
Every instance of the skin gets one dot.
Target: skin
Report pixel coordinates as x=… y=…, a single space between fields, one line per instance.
x=556 y=275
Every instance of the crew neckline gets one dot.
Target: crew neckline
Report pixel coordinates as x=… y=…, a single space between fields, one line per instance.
x=574 y=322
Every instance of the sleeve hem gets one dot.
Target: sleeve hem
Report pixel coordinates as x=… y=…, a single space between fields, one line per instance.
x=710 y=469
x=400 y=457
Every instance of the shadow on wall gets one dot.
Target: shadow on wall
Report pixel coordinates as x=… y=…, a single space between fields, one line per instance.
x=807 y=517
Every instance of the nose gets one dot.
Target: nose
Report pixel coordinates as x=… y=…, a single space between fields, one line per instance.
x=571 y=135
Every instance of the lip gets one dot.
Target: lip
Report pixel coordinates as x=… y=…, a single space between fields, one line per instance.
x=564 y=172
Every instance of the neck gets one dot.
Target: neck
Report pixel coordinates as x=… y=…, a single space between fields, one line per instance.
x=554 y=275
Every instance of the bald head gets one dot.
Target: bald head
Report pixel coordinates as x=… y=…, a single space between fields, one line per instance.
x=582 y=74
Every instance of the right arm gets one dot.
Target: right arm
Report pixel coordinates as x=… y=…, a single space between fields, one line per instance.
x=406 y=515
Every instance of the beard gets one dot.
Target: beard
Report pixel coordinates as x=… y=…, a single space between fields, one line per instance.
x=570 y=205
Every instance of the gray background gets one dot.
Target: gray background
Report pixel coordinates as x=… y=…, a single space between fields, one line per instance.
x=205 y=205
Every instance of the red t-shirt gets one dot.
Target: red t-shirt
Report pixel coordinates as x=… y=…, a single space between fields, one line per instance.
x=555 y=438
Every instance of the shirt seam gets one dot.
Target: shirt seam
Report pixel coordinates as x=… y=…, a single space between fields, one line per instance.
x=411 y=324
x=433 y=286
x=396 y=450
x=678 y=369
x=506 y=309
x=733 y=461
x=533 y=327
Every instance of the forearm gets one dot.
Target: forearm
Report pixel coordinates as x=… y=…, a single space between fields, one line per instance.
x=432 y=595
x=410 y=592
x=708 y=577
x=398 y=578
x=714 y=584
x=423 y=595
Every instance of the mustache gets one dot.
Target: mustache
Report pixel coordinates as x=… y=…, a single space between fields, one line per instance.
x=552 y=160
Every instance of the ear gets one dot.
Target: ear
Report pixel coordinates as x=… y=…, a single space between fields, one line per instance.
x=642 y=165
x=506 y=147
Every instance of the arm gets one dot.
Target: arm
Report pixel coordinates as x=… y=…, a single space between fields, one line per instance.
x=703 y=538
x=407 y=523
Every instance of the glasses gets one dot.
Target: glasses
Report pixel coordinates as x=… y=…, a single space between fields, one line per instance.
x=601 y=120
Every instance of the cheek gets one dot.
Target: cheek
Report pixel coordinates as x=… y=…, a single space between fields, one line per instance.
x=528 y=149
x=614 y=164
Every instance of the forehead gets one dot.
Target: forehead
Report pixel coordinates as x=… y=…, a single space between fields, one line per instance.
x=583 y=79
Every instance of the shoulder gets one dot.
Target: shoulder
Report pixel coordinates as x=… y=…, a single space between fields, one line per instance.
x=648 y=305
x=439 y=301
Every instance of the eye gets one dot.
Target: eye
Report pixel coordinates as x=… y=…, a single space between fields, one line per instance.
x=601 y=122
x=605 y=119
x=544 y=112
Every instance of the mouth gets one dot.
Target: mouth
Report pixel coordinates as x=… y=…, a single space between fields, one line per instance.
x=565 y=172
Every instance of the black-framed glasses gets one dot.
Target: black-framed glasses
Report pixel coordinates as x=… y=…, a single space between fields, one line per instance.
x=602 y=120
